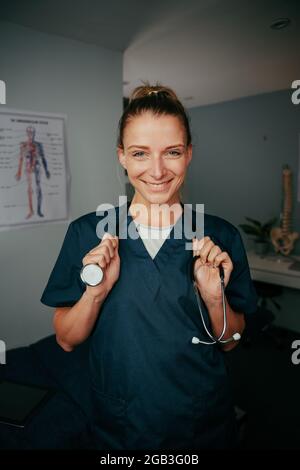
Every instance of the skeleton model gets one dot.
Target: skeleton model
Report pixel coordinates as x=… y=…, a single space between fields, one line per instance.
x=282 y=237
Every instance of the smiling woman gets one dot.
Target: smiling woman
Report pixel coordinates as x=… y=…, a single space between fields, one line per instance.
x=152 y=386
x=154 y=147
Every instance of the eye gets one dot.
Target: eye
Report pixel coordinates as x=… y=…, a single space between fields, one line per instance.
x=138 y=154
x=175 y=153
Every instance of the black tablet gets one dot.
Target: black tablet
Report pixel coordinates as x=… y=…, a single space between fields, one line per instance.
x=20 y=401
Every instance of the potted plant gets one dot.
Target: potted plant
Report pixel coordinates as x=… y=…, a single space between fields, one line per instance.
x=260 y=233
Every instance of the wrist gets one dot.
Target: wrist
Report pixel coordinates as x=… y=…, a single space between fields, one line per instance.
x=211 y=300
x=95 y=298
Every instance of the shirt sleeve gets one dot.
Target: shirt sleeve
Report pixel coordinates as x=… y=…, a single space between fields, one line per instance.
x=240 y=291
x=64 y=287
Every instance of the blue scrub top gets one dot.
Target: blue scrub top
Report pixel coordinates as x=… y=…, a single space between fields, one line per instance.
x=152 y=388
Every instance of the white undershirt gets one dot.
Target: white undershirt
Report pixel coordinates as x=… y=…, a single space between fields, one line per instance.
x=153 y=237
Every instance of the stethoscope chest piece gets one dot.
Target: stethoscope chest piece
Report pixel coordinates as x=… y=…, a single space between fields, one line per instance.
x=91 y=274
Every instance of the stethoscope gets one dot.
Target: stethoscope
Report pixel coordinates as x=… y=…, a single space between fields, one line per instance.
x=214 y=340
x=92 y=275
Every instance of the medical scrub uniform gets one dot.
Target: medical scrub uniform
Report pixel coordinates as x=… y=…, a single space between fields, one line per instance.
x=152 y=388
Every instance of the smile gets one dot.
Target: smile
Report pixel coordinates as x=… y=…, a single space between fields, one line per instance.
x=158 y=186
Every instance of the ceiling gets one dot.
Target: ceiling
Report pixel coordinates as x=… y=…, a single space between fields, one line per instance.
x=209 y=51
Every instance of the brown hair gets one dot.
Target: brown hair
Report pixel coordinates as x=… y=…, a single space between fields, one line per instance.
x=158 y=99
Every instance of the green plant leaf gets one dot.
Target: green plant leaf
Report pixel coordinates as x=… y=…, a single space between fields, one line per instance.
x=250 y=230
x=268 y=225
x=253 y=221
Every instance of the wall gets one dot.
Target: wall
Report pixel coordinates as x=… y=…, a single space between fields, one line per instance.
x=239 y=149
x=52 y=74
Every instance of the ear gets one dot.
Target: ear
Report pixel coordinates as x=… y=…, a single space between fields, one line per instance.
x=189 y=153
x=121 y=156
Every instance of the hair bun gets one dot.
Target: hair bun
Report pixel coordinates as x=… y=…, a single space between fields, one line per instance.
x=148 y=90
x=160 y=101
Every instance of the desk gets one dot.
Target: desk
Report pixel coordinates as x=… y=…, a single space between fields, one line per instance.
x=274 y=269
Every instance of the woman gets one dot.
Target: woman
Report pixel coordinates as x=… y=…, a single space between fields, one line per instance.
x=153 y=386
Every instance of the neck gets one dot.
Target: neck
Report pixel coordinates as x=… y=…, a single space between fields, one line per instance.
x=155 y=214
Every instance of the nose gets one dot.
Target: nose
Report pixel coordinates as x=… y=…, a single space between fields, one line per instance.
x=157 y=168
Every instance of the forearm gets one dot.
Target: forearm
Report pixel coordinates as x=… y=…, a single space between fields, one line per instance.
x=74 y=324
x=235 y=322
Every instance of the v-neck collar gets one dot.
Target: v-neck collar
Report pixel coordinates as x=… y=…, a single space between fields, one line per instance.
x=170 y=243
x=151 y=269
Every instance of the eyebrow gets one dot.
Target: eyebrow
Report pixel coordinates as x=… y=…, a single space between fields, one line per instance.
x=145 y=146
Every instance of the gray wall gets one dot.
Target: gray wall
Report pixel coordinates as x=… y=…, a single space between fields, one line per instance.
x=239 y=149
x=52 y=74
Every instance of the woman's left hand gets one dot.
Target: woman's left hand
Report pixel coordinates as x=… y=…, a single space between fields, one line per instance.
x=206 y=272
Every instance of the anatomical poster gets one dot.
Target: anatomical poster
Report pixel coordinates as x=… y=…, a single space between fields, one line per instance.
x=34 y=171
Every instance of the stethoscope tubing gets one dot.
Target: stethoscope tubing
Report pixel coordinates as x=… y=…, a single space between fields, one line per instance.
x=214 y=340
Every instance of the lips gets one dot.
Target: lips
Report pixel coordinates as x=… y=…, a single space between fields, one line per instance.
x=158 y=186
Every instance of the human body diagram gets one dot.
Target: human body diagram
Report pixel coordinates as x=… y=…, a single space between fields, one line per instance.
x=33 y=158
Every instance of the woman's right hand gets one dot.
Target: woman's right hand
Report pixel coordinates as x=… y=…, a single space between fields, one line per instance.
x=106 y=255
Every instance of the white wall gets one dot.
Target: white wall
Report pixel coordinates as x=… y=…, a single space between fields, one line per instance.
x=52 y=74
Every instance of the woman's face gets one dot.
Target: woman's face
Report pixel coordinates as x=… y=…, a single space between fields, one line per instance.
x=156 y=157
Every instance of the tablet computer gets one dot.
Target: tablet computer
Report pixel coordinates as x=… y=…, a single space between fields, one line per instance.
x=19 y=402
